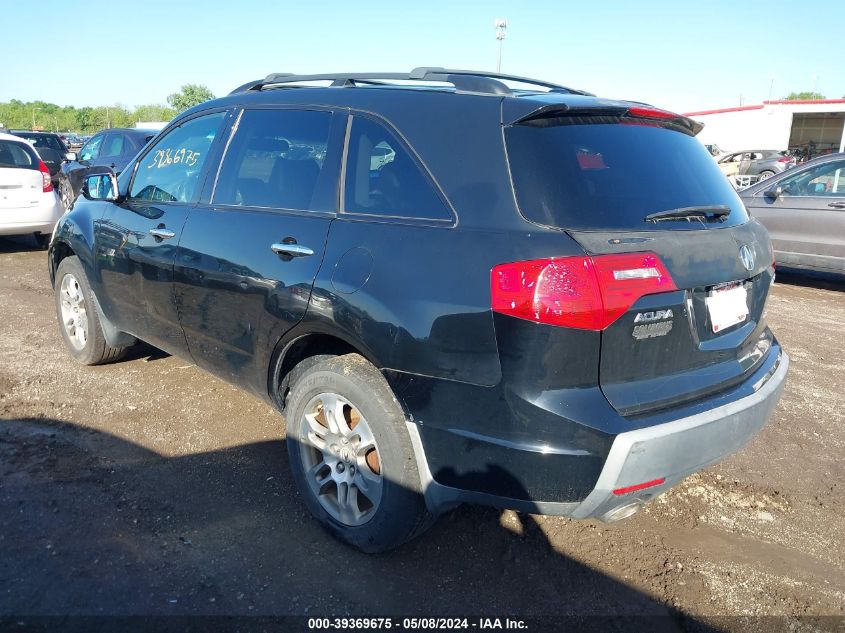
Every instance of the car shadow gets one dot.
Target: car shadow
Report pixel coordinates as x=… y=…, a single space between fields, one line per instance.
x=144 y=351
x=810 y=278
x=97 y=525
x=19 y=244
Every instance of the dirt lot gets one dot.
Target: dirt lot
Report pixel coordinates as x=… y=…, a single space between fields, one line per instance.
x=150 y=487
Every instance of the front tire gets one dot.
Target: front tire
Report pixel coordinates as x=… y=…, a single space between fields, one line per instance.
x=79 y=322
x=352 y=457
x=65 y=193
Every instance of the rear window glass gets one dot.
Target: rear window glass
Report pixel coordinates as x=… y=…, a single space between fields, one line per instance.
x=14 y=154
x=610 y=176
x=382 y=178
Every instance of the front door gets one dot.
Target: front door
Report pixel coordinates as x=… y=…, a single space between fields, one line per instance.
x=807 y=220
x=248 y=258
x=137 y=240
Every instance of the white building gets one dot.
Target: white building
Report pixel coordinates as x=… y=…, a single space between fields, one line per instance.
x=783 y=125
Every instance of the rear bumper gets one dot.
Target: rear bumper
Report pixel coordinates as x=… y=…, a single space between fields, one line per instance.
x=669 y=451
x=38 y=219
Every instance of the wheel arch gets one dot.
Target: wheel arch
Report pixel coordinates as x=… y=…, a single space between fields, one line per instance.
x=300 y=344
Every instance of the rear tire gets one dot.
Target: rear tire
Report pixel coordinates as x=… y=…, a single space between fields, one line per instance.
x=351 y=455
x=766 y=174
x=79 y=322
x=42 y=239
x=65 y=193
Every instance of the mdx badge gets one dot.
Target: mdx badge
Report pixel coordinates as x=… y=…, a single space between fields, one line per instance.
x=651 y=324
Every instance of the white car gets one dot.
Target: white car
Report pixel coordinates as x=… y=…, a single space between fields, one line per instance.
x=28 y=203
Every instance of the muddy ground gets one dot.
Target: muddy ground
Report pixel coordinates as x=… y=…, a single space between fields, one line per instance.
x=149 y=487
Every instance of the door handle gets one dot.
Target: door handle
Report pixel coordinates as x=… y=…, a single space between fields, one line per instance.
x=162 y=233
x=837 y=205
x=291 y=250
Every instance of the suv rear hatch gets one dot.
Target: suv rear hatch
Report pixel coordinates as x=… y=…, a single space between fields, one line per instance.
x=691 y=293
x=21 y=182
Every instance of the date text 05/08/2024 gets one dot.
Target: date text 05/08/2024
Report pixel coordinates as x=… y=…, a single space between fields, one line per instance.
x=414 y=624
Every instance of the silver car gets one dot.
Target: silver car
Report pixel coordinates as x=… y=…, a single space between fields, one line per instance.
x=764 y=163
x=804 y=211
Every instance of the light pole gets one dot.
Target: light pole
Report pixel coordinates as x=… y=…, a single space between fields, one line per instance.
x=33 y=117
x=501 y=26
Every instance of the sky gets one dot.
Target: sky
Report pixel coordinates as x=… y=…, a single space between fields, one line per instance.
x=679 y=55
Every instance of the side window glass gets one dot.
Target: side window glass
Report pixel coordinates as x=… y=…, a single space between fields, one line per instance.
x=824 y=180
x=382 y=178
x=170 y=170
x=113 y=146
x=274 y=160
x=91 y=148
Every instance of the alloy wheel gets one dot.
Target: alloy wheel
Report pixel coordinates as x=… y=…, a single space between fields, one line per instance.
x=340 y=459
x=74 y=314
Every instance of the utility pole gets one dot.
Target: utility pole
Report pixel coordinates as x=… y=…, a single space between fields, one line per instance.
x=501 y=26
x=33 y=117
x=771 y=86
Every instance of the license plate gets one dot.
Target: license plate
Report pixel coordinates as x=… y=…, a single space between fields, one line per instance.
x=727 y=305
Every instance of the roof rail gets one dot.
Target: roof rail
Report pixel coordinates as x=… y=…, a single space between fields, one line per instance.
x=472 y=81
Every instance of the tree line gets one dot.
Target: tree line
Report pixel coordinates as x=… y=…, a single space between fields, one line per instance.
x=40 y=115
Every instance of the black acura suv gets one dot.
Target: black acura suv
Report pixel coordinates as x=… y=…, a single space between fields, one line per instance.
x=456 y=286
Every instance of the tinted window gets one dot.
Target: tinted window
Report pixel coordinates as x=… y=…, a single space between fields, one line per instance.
x=113 y=146
x=16 y=155
x=274 y=159
x=383 y=179
x=45 y=141
x=91 y=149
x=823 y=180
x=170 y=170
x=610 y=176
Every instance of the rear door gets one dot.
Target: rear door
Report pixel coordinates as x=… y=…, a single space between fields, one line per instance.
x=137 y=240
x=249 y=255
x=693 y=281
x=807 y=220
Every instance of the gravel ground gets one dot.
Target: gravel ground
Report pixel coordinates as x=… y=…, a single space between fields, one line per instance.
x=149 y=487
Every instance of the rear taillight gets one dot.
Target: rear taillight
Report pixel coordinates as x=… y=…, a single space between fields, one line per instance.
x=45 y=177
x=587 y=293
x=785 y=159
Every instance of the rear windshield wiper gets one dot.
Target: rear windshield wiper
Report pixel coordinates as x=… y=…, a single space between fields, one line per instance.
x=702 y=214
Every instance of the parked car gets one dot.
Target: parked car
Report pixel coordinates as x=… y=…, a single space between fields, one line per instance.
x=28 y=203
x=804 y=211
x=74 y=142
x=764 y=163
x=113 y=148
x=563 y=313
x=51 y=148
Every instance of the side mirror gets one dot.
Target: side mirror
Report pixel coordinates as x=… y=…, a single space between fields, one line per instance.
x=70 y=156
x=774 y=193
x=100 y=184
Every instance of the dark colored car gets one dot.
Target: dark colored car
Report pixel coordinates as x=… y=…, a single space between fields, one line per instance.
x=52 y=150
x=561 y=313
x=764 y=163
x=112 y=148
x=804 y=211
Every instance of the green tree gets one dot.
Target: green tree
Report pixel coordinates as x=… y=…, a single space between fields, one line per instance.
x=804 y=96
x=189 y=96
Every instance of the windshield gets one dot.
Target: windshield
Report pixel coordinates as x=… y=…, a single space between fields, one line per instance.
x=598 y=176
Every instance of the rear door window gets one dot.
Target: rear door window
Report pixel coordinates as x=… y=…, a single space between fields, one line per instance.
x=113 y=146
x=14 y=155
x=383 y=179
x=586 y=175
x=170 y=170
x=275 y=160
